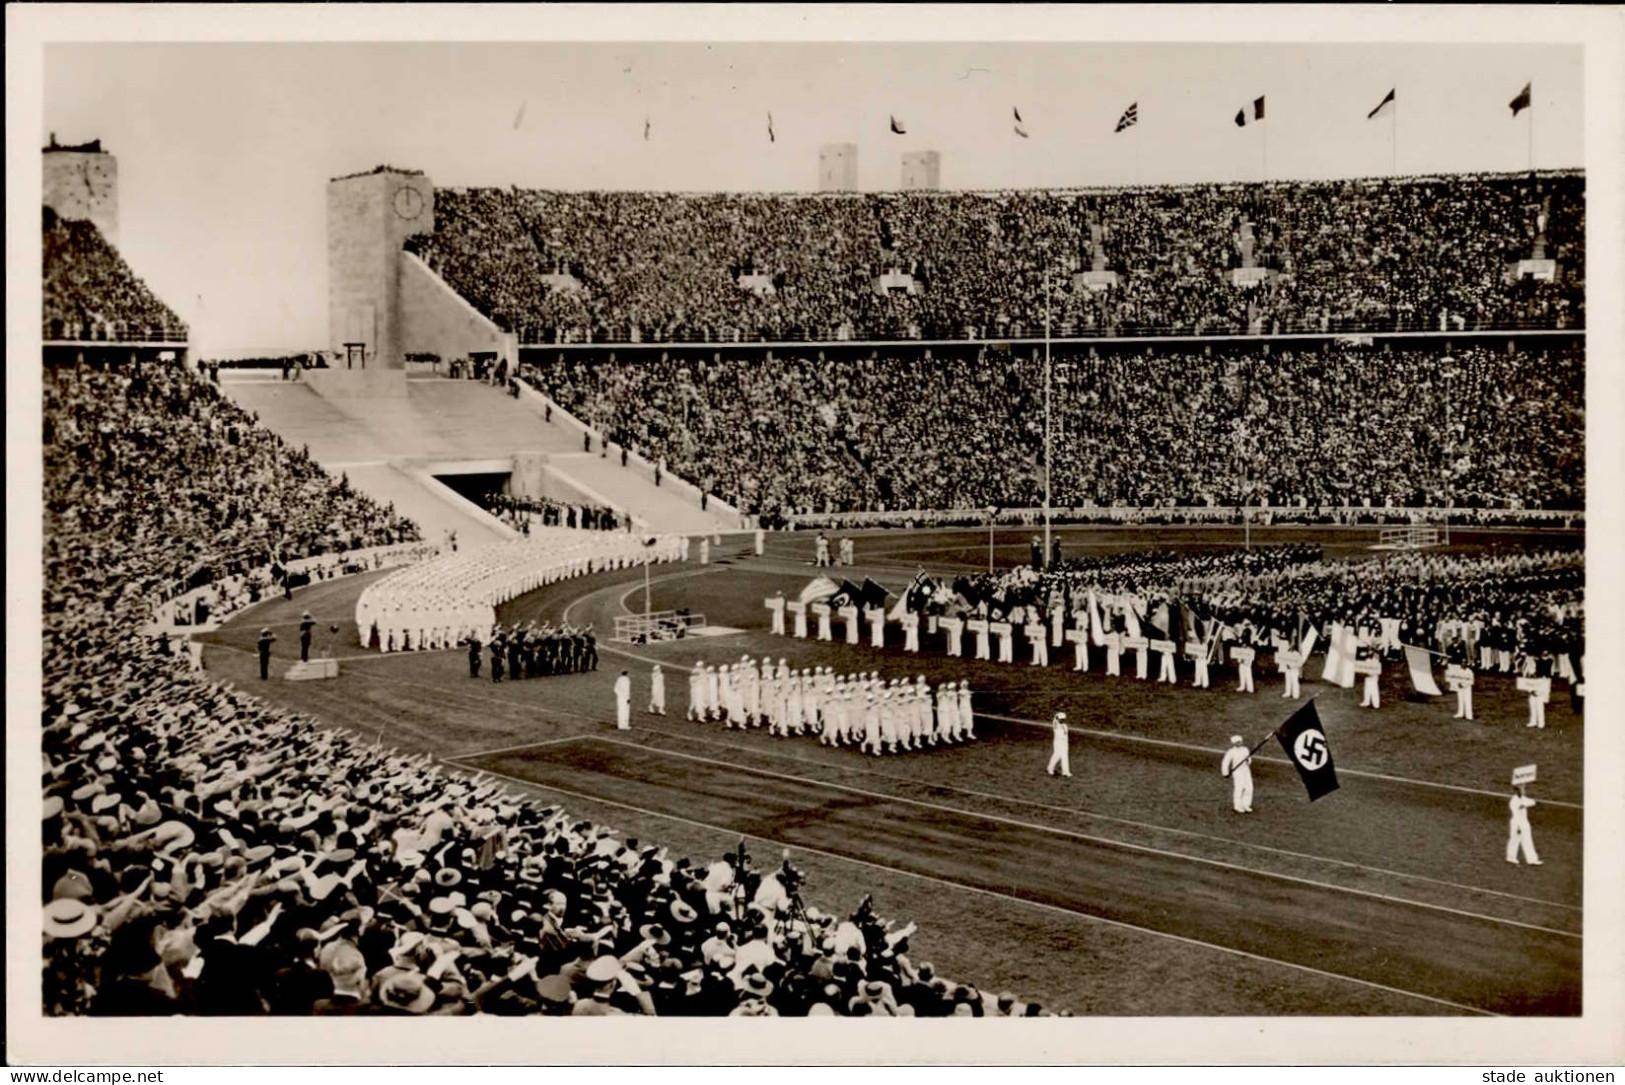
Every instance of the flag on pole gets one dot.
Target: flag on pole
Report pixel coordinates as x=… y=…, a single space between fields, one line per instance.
x=818 y=590
x=1130 y=117
x=1384 y=106
x=1309 y=639
x=874 y=594
x=1131 y=620
x=1241 y=118
x=1304 y=741
x=849 y=595
x=1334 y=654
x=771 y=138
x=519 y=118
x=1097 y=635
x=1421 y=666
x=1258 y=113
x=1345 y=668
x=897 y=127
x=1020 y=131
x=645 y=129
x=1522 y=101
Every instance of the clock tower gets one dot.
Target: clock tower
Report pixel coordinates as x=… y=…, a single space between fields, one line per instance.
x=369 y=217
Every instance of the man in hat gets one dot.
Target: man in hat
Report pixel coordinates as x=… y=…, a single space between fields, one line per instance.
x=474 y=654
x=623 y=702
x=267 y=638
x=1059 y=744
x=1237 y=765
x=306 y=624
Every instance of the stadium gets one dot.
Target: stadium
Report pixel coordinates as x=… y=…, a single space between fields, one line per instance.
x=828 y=603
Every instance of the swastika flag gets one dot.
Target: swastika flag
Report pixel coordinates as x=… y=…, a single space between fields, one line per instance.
x=1304 y=741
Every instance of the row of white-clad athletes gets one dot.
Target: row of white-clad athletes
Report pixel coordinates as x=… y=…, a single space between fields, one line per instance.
x=877 y=715
x=444 y=601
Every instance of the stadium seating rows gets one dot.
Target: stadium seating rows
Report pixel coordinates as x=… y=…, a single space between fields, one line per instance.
x=207 y=854
x=1394 y=254
x=1478 y=427
x=91 y=294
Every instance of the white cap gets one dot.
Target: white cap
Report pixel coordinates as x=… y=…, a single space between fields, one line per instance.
x=1236 y=740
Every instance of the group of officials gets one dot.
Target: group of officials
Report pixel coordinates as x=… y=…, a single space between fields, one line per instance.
x=526 y=651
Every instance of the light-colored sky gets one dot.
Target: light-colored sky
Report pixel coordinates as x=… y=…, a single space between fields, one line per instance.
x=224 y=149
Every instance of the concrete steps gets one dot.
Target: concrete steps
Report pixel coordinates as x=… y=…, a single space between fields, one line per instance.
x=604 y=479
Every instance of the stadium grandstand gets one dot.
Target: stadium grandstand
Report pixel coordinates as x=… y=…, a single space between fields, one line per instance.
x=1216 y=396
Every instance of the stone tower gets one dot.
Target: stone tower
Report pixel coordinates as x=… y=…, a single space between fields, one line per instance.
x=81 y=182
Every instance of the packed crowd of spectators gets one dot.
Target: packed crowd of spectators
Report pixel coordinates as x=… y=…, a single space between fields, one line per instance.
x=1386 y=254
x=207 y=854
x=91 y=293
x=1335 y=426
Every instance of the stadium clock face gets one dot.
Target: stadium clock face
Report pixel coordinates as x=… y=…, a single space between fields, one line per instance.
x=408 y=203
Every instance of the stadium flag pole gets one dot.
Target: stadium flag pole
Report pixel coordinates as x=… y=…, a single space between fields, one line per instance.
x=1048 y=470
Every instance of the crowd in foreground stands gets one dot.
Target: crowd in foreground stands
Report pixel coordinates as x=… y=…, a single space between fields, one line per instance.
x=1340 y=426
x=1385 y=254
x=90 y=293
x=206 y=854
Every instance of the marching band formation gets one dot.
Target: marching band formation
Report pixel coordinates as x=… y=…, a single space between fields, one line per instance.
x=862 y=710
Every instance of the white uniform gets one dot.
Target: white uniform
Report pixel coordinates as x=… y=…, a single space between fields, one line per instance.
x=1537 y=702
x=1292 y=668
x=1165 y=668
x=911 y=632
x=1245 y=670
x=1114 y=654
x=657 y=692
x=1462 y=679
x=776 y=605
x=1036 y=634
x=1518 y=835
x=1059 y=743
x=1370 y=695
x=967 y=722
x=623 y=702
x=696 y=692
x=713 y=701
x=1237 y=765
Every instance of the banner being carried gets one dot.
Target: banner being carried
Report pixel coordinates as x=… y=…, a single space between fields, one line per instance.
x=1305 y=743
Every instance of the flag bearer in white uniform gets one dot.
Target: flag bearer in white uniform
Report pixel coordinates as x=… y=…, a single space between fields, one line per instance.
x=1198 y=653
x=657 y=691
x=925 y=731
x=623 y=702
x=1114 y=654
x=795 y=704
x=1237 y=765
x=967 y=722
x=776 y=604
x=1518 y=835
x=911 y=631
x=1461 y=680
x=1370 y=695
x=1060 y=742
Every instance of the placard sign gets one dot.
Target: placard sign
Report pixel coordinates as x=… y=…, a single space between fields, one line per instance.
x=1523 y=774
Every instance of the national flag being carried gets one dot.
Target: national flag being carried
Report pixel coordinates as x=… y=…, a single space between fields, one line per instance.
x=1020 y=131
x=1384 y=106
x=873 y=594
x=1130 y=117
x=818 y=591
x=1305 y=743
x=1421 y=667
